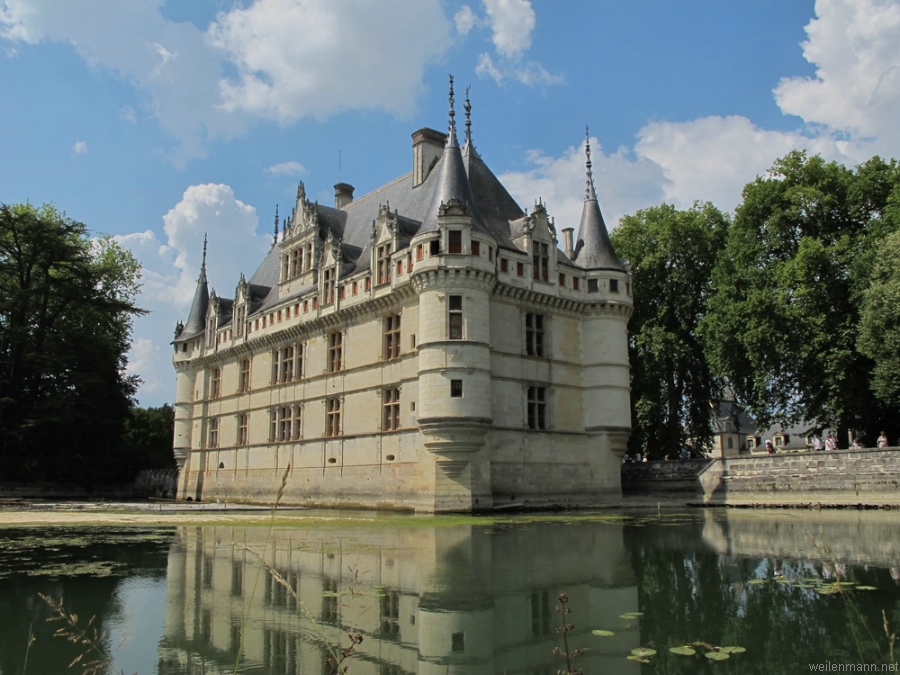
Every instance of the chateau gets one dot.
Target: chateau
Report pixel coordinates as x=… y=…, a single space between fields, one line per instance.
x=427 y=346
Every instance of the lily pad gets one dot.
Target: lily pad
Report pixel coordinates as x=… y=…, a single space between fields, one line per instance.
x=602 y=633
x=756 y=581
x=631 y=615
x=643 y=651
x=733 y=650
x=717 y=655
x=866 y=588
x=684 y=650
x=640 y=659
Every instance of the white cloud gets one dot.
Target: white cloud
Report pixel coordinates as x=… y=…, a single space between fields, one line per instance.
x=319 y=57
x=849 y=109
x=292 y=57
x=465 y=20
x=856 y=89
x=79 y=148
x=129 y=115
x=286 y=169
x=512 y=22
x=171 y=267
x=623 y=184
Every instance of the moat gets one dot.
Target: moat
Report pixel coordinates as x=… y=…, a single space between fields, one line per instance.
x=730 y=591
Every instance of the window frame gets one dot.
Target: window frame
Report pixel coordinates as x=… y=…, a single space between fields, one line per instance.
x=391 y=340
x=536 y=418
x=390 y=406
x=335 y=352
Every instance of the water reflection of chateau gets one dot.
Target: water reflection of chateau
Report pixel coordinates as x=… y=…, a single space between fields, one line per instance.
x=427 y=599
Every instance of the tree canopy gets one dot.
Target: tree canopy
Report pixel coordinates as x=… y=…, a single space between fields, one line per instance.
x=672 y=254
x=66 y=307
x=784 y=316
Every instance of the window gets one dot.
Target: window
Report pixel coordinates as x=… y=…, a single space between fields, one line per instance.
x=420 y=252
x=333 y=417
x=215 y=383
x=391 y=407
x=576 y=283
x=476 y=249
x=534 y=334
x=399 y=268
x=613 y=285
x=328 y=283
x=213 y=433
x=335 y=351
x=454 y=241
x=309 y=253
x=592 y=286
x=562 y=280
x=537 y=408
x=383 y=263
x=504 y=265
x=240 y=316
x=541 y=261
x=391 y=337
x=211 y=332
x=520 y=269
x=355 y=287
x=455 y=323
x=287 y=364
x=285 y=423
x=296 y=262
x=456 y=389
x=434 y=247
x=243 y=428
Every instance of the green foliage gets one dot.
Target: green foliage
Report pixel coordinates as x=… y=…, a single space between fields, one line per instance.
x=879 y=334
x=66 y=305
x=784 y=316
x=148 y=437
x=672 y=254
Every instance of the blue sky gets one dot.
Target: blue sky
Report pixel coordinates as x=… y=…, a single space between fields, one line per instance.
x=157 y=121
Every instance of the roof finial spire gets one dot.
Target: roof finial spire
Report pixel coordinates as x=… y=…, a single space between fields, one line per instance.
x=451 y=138
x=589 y=192
x=203 y=263
x=468 y=119
x=276 y=223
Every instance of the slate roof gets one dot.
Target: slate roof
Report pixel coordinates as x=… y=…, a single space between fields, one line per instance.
x=459 y=173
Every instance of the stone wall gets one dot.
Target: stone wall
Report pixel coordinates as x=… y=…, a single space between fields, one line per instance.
x=840 y=478
x=674 y=477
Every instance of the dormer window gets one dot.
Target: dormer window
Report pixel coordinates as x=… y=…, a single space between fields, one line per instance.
x=211 y=332
x=240 y=316
x=454 y=241
x=328 y=285
x=613 y=285
x=383 y=264
x=541 y=262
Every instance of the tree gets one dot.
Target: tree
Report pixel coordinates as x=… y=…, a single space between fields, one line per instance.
x=148 y=437
x=66 y=305
x=672 y=254
x=784 y=318
x=879 y=334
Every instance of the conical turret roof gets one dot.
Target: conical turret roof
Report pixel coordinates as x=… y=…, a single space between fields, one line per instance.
x=593 y=250
x=196 y=322
x=452 y=180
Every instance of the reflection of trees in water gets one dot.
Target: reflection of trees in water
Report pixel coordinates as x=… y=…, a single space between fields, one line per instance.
x=689 y=594
x=82 y=568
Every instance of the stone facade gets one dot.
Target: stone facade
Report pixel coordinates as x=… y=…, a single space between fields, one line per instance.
x=427 y=346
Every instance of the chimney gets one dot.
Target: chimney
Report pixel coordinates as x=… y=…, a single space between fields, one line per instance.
x=569 y=249
x=343 y=195
x=428 y=145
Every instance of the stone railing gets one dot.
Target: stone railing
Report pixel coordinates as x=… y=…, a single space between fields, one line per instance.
x=838 y=478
